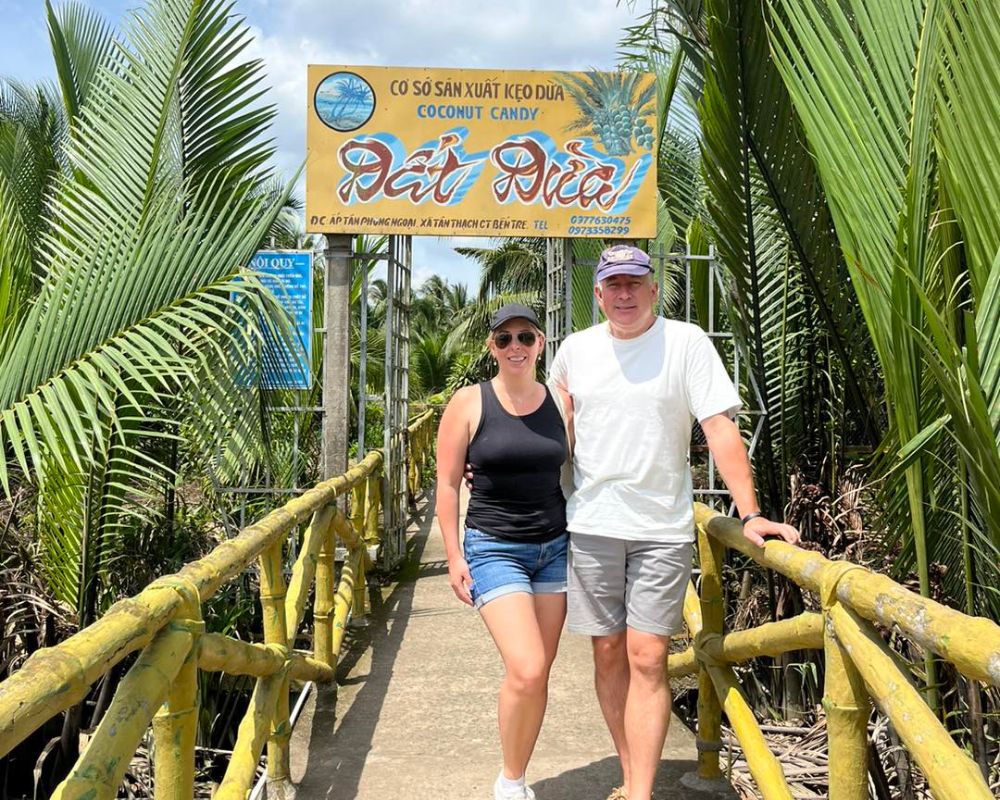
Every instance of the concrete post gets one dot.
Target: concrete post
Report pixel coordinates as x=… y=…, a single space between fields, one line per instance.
x=336 y=355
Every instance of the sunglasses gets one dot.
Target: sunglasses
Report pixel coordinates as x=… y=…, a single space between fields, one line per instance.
x=504 y=338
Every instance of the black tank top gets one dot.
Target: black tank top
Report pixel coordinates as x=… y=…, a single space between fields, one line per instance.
x=515 y=464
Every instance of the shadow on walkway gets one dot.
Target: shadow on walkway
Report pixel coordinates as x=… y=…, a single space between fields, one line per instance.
x=376 y=642
x=595 y=780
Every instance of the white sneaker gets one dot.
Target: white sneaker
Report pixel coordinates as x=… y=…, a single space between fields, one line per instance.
x=519 y=793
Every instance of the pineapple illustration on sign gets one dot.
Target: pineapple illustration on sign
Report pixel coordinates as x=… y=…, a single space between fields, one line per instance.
x=614 y=108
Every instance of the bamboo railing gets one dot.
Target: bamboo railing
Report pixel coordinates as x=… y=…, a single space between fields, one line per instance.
x=164 y=622
x=860 y=668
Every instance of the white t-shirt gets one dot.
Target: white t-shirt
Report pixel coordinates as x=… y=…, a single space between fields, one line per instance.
x=634 y=404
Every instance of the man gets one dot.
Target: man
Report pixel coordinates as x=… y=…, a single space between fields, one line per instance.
x=637 y=382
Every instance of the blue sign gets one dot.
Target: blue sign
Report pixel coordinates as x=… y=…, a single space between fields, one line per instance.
x=288 y=274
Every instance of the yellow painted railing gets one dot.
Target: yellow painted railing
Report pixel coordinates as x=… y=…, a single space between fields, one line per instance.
x=164 y=622
x=860 y=668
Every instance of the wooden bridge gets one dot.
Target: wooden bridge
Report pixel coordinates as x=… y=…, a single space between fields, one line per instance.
x=414 y=710
x=411 y=711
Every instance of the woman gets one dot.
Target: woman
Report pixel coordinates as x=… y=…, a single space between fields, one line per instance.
x=512 y=566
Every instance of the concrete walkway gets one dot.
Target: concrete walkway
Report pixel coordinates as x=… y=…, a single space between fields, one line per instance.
x=414 y=715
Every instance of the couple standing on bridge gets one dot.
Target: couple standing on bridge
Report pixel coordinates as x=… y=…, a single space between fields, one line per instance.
x=619 y=406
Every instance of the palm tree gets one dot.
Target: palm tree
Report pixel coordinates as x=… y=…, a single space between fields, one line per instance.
x=145 y=199
x=513 y=266
x=434 y=309
x=917 y=221
x=352 y=92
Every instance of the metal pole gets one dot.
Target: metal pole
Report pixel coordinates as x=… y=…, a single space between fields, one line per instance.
x=336 y=354
x=711 y=330
x=594 y=308
x=558 y=295
x=687 y=284
x=661 y=257
x=551 y=307
x=568 y=287
x=363 y=363
x=386 y=551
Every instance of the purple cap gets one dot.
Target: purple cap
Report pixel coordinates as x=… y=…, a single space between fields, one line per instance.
x=622 y=259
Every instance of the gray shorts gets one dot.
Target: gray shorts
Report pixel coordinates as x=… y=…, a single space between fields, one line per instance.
x=614 y=583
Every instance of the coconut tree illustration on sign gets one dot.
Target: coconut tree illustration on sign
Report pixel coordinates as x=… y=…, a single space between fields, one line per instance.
x=613 y=107
x=344 y=101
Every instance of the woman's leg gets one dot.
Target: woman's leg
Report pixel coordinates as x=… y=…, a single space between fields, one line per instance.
x=550 y=611
x=524 y=637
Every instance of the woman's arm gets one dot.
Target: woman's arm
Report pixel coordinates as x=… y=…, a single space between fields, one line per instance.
x=452 y=446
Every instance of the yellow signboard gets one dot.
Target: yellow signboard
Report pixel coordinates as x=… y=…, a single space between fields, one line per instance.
x=461 y=152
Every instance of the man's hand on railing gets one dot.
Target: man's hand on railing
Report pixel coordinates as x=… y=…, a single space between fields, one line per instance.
x=460 y=579
x=756 y=529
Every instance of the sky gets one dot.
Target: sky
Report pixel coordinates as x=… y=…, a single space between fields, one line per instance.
x=290 y=34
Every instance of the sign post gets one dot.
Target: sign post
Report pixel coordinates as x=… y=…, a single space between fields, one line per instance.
x=336 y=356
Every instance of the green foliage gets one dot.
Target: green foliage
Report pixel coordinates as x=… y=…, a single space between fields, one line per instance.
x=137 y=321
x=870 y=90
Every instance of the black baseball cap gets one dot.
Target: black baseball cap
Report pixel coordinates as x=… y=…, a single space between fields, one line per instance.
x=513 y=311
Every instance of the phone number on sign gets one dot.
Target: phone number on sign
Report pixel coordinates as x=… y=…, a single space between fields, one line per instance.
x=599 y=225
x=599 y=230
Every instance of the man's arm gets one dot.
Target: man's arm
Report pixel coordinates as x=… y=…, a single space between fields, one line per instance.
x=730 y=454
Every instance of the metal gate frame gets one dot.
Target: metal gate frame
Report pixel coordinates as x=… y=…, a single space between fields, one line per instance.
x=759 y=412
x=558 y=295
x=395 y=506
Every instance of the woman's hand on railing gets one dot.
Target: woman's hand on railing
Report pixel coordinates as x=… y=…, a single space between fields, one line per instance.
x=460 y=579
x=756 y=529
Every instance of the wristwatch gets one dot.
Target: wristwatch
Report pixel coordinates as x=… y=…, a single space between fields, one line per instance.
x=750 y=516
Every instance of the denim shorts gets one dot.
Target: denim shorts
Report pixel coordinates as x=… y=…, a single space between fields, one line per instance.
x=502 y=566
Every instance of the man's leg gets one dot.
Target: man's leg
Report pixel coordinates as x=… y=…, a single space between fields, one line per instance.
x=658 y=575
x=611 y=679
x=647 y=709
x=596 y=595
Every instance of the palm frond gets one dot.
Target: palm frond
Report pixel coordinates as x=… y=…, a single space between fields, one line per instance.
x=864 y=82
x=513 y=266
x=82 y=43
x=33 y=136
x=145 y=325
x=15 y=265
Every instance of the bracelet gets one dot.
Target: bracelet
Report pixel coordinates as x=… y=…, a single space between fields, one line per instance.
x=750 y=516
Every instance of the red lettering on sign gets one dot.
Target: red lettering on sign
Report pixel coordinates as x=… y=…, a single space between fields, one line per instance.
x=438 y=172
x=527 y=171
